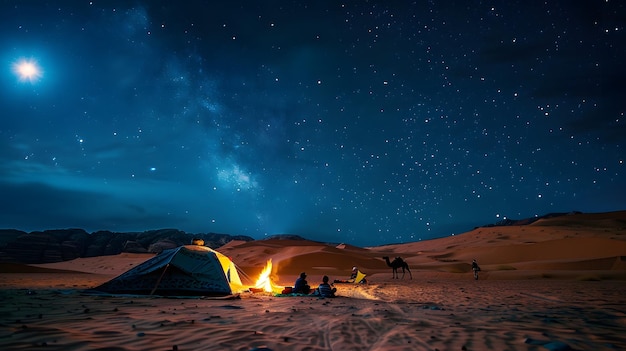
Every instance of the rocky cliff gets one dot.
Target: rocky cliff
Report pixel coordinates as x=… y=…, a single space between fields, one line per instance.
x=67 y=244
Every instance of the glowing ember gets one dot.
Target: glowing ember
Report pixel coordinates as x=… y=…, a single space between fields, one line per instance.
x=264 y=282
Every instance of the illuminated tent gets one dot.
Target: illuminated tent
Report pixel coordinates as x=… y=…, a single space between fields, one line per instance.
x=185 y=270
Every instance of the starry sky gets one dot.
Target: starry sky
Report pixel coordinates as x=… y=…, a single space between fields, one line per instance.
x=365 y=122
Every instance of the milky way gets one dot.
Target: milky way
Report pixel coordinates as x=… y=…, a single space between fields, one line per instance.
x=365 y=122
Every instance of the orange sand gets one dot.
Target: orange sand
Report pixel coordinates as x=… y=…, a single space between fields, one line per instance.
x=555 y=283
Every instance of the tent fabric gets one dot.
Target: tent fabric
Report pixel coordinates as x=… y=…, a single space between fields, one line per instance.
x=185 y=270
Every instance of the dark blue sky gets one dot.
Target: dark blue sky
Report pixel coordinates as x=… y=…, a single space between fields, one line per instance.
x=366 y=122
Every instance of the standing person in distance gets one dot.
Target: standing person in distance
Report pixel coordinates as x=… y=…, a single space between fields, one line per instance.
x=475 y=268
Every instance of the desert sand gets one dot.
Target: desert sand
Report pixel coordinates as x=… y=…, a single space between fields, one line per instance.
x=557 y=284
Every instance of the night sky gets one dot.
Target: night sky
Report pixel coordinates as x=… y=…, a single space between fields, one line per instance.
x=365 y=122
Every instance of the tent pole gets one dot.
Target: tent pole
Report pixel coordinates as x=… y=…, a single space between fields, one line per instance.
x=159 y=281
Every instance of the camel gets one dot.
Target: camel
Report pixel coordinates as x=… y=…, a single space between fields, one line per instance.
x=398 y=262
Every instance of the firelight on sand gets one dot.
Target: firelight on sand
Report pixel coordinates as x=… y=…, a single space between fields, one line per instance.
x=265 y=282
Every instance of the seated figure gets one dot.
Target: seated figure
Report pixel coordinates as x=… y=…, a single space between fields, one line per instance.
x=325 y=289
x=356 y=277
x=301 y=286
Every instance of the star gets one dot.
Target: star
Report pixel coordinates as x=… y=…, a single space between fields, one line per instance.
x=27 y=70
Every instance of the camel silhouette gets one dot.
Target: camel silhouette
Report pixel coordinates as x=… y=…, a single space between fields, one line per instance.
x=398 y=262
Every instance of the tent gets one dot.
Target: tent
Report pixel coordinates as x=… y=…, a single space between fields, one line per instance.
x=185 y=270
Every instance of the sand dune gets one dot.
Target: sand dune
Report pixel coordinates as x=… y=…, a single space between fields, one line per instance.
x=557 y=284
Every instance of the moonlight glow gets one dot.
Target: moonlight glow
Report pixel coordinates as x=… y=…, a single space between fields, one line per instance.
x=27 y=70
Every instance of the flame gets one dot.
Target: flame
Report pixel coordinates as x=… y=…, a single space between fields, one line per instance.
x=264 y=282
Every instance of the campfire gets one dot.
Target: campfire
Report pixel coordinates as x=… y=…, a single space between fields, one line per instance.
x=264 y=283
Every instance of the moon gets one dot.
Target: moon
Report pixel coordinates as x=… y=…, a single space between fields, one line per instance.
x=27 y=70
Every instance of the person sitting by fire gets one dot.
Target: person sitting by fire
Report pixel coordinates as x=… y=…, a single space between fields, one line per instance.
x=301 y=286
x=356 y=277
x=325 y=289
x=355 y=271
